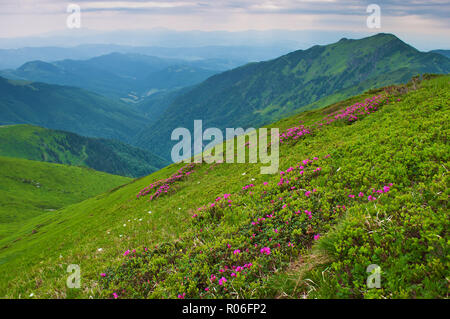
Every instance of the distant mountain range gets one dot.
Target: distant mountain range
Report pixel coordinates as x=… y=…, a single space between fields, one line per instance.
x=116 y=75
x=67 y=108
x=221 y=57
x=445 y=53
x=41 y=144
x=259 y=93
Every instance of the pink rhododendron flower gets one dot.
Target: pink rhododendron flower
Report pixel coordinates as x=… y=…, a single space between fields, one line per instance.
x=222 y=281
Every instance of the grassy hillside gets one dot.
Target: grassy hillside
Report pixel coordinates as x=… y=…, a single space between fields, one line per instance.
x=30 y=189
x=260 y=93
x=67 y=108
x=41 y=144
x=366 y=183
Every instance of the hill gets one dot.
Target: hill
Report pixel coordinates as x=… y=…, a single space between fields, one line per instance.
x=154 y=105
x=176 y=76
x=41 y=144
x=445 y=53
x=30 y=190
x=67 y=108
x=259 y=93
x=115 y=75
x=364 y=184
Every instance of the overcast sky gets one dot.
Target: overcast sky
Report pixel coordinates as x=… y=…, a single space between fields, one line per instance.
x=418 y=19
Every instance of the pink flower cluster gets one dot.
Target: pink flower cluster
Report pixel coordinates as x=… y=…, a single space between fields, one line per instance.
x=162 y=186
x=371 y=198
x=351 y=113
x=293 y=133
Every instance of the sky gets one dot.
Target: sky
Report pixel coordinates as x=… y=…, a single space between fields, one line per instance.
x=425 y=23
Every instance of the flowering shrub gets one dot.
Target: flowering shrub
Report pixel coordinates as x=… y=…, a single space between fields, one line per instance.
x=356 y=111
x=163 y=186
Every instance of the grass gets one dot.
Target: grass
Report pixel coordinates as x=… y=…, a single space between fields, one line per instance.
x=31 y=193
x=404 y=231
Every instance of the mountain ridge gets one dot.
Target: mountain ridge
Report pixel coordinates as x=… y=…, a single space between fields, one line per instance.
x=67 y=108
x=114 y=75
x=259 y=93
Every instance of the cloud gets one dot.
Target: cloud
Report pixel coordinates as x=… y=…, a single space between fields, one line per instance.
x=133 y=5
x=430 y=8
x=25 y=17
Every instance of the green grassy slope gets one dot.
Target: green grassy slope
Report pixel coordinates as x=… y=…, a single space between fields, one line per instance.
x=260 y=93
x=41 y=144
x=403 y=142
x=29 y=189
x=67 y=108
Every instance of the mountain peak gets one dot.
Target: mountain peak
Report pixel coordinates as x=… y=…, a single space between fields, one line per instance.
x=37 y=65
x=385 y=36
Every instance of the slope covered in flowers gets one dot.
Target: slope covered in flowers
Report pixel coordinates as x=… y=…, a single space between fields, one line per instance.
x=380 y=204
x=361 y=182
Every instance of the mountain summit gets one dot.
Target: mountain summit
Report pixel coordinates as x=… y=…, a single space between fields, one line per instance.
x=259 y=93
